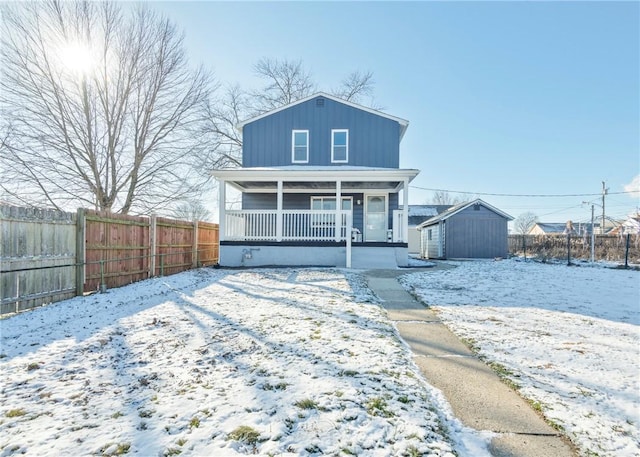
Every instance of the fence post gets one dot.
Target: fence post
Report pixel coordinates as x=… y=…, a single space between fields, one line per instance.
x=524 y=245
x=626 y=252
x=80 y=250
x=152 y=245
x=568 y=248
x=103 y=285
x=194 y=251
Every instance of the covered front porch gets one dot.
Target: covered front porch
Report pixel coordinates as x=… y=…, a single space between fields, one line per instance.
x=304 y=214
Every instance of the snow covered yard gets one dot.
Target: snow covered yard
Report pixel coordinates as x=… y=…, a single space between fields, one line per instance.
x=569 y=337
x=214 y=362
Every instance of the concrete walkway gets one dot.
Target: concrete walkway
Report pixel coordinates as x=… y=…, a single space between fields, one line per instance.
x=477 y=396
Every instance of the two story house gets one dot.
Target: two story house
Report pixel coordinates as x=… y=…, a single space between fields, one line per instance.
x=320 y=185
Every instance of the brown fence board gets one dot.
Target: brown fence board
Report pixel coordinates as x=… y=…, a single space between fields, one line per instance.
x=174 y=246
x=208 y=244
x=117 y=249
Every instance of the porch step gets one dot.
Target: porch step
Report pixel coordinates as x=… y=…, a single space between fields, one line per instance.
x=373 y=258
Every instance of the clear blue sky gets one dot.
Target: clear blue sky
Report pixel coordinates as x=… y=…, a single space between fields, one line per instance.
x=502 y=97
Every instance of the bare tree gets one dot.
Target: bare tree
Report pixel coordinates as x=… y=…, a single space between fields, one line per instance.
x=191 y=210
x=355 y=87
x=525 y=222
x=285 y=82
x=116 y=125
x=442 y=197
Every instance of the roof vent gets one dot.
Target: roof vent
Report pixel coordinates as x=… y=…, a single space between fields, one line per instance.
x=476 y=206
x=320 y=102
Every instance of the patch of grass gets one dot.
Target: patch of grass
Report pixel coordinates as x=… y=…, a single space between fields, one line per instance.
x=279 y=386
x=120 y=449
x=349 y=373
x=245 y=434
x=413 y=451
x=145 y=413
x=15 y=412
x=393 y=374
x=33 y=366
x=172 y=451
x=338 y=393
x=307 y=403
x=404 y=399
x=471 y=344
x=195 y=422
x=378 y=407
x=505 y=374
x=116 y=415
x=536 y=405
x=313 y=449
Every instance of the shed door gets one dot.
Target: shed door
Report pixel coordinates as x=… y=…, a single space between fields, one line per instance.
x=375 y=218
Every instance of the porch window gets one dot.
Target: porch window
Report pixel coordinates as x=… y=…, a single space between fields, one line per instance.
x=329 y=203
x=300 y=146
x=339 y=146
x=326 y=222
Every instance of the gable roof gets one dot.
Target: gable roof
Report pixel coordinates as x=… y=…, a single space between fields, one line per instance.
x=403 y=122
x=551 y=227
x=461 y=207
x=420 y=213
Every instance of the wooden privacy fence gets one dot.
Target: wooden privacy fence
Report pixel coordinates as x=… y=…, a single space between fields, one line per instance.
x=48 y=256
x=37 y=257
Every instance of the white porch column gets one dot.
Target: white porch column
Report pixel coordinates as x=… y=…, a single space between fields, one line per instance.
x=338 y=224
x=405 y=212
x=222 y=206
x=279 y=215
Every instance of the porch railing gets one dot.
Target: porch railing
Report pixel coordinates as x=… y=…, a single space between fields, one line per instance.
x=288 y=225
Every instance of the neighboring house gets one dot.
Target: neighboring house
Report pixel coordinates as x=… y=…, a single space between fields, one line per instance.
x=469 y=230
x=417 y=215
x=560 y=228
x=321 y=185
x=631 y=226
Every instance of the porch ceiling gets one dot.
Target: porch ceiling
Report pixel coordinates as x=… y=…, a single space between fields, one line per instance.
x=321 y=178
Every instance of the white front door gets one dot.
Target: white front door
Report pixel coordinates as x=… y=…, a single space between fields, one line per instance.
x=375 y=218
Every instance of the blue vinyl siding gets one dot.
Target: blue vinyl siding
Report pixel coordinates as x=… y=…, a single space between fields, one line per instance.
x=374 y=141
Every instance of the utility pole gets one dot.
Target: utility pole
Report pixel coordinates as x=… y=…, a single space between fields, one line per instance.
x=604 y=193
x=593 y=235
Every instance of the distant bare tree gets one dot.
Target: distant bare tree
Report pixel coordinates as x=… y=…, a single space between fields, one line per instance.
x=525 y=222
x=104 y=109
x=285 y=82
x=191 y=210
x=355 y=87
x=442 y=197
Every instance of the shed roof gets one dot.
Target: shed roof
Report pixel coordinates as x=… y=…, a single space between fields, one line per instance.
x=420 y=213
x=461 y=207
x=403 y=122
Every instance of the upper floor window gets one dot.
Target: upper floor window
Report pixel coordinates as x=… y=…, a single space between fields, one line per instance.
x=300 y=146
x=339 y=145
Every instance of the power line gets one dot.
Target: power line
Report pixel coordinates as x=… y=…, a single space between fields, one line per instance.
x=523 y=195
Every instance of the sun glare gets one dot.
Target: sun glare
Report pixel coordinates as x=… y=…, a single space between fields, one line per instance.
x=77 y=58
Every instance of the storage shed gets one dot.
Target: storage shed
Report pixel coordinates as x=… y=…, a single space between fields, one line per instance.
x=469 y=230
x=417 y=215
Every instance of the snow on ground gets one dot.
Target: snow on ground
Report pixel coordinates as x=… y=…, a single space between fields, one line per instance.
x=568 y=336
x=215 y=362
